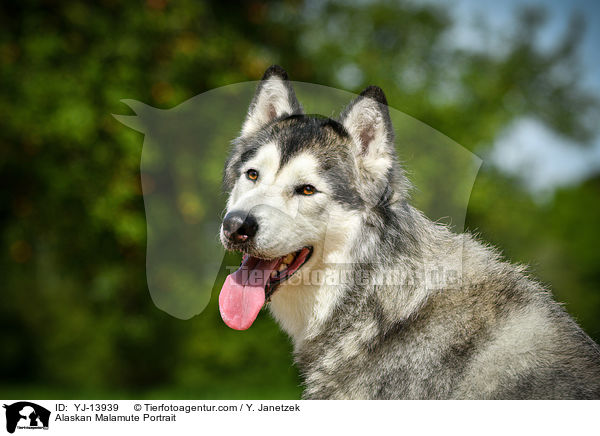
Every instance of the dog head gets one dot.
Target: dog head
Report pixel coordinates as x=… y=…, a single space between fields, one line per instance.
x=298 y=186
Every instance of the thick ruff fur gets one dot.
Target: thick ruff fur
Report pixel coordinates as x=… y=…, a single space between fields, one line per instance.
x=487 y=332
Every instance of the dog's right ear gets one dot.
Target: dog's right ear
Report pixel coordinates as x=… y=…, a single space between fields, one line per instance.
x=274 y=98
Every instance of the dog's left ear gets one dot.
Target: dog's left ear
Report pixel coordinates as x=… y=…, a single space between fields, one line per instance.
x=367 y=119
x=274 y=98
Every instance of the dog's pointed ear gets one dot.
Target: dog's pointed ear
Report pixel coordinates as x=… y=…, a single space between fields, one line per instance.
x=274 y=98
x=367 y=120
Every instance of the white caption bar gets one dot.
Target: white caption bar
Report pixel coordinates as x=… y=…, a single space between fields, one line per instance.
x=157 y=417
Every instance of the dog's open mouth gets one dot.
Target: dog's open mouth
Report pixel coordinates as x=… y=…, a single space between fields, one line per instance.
x=287 y=266
x=245 y=291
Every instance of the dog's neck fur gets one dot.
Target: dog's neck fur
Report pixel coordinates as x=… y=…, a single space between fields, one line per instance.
x=303 y=310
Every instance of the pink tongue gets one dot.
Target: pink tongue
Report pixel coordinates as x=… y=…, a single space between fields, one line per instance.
x=243 y=293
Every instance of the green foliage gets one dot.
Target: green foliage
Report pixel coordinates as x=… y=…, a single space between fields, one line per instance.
x=77 y=319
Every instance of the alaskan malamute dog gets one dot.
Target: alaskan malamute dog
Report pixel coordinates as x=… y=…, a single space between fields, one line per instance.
x=319 y=209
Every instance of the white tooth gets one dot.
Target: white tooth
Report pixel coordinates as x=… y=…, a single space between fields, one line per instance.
x=289 y=258
x=273 y=274
x=282 y=267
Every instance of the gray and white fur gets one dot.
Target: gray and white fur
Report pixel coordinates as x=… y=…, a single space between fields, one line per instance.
x=490 y=332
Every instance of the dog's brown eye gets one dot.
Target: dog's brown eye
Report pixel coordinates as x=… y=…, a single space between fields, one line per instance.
x=252 y=174
x=306 y=190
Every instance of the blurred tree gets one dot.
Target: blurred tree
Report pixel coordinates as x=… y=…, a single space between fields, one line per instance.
x=76 y=316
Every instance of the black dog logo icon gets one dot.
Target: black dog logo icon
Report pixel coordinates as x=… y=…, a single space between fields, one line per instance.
x=26 y=415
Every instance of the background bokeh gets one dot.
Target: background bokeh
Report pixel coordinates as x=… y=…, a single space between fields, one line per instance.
x=76 y=318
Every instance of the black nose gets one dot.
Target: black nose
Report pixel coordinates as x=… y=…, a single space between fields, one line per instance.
x=239 y=226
